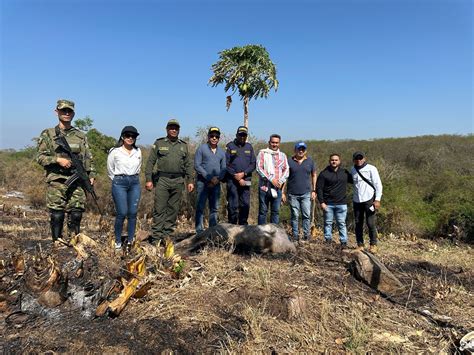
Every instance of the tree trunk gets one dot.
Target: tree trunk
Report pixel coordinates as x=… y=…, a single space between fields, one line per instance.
x=246 y=111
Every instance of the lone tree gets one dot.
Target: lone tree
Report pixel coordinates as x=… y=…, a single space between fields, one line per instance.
x=247 y=69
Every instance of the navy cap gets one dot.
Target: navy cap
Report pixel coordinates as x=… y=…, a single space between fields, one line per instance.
x=300 y=145
x=242 y=130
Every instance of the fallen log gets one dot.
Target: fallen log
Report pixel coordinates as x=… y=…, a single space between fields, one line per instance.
x=368 y=268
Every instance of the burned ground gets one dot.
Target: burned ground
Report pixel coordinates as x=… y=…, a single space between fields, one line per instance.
x=223 y=302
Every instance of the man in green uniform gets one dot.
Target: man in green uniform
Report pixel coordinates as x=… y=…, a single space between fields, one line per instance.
x=61 y=198
x=173 y=167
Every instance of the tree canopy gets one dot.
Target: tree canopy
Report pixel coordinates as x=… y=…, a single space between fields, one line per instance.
x=247 y=70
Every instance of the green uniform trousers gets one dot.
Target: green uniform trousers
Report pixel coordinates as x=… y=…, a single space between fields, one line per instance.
x=168 y=194
x=60 y=197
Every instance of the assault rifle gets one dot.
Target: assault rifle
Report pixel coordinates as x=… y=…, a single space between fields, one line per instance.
x=80 y=173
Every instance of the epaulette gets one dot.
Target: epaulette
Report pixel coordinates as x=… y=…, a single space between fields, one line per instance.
x=160 y=139
x=79 y=132
x=181 y=141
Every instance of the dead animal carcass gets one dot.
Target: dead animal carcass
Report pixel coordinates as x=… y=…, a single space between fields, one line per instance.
x=268 y=238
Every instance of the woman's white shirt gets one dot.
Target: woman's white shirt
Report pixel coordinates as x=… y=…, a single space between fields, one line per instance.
x=120 y=162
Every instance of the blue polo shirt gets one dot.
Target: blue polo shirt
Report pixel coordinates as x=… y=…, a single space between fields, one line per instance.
x=299 y=181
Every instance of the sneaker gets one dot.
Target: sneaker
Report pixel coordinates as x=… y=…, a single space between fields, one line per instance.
x=118 y=246
x=62 y=241
x=373 y=249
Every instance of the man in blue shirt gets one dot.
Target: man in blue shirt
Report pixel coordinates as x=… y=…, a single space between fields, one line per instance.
x=301 y=189
x=240 y=158
x=209 y=163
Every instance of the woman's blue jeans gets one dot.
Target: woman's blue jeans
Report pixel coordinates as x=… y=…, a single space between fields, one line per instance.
x=126 y=192
x=300 y=203
x=339 y=212
x=204 y=193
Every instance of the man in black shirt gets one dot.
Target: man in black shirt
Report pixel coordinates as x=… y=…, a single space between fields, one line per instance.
x=331 y=188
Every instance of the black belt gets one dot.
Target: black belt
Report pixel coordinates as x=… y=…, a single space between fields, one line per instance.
x=170 y=175
x=125 y=175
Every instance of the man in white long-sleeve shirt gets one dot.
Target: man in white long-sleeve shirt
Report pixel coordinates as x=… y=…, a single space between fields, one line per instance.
x=366 y=199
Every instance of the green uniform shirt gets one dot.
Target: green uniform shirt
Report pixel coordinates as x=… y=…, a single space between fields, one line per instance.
x=169 y=157
x=49 y=151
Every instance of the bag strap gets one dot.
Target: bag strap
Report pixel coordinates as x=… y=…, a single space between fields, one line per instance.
x=365 y=179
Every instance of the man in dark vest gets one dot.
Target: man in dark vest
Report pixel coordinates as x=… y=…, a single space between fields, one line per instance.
x=240 y=159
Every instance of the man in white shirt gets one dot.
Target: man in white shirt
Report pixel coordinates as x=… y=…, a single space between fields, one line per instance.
x=366 y=199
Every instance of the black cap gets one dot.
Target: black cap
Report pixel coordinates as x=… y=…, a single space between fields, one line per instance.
x=358 y=155
x=129 y=129
x=215 y=130
x=242 y=130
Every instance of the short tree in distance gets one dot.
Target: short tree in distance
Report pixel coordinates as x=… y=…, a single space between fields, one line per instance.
x=248 y=70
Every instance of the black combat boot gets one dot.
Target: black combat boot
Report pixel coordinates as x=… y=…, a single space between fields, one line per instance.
x=74 y=222
x=56 y=222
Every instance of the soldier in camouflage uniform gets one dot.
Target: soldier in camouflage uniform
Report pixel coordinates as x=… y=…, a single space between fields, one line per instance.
x=60 y=198
x=173 y=167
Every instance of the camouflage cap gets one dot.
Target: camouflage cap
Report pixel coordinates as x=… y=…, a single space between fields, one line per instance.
x=173 y=122
x=62 y=104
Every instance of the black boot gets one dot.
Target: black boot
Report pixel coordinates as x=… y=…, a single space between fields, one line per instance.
x=56 y=222
x=74 y=222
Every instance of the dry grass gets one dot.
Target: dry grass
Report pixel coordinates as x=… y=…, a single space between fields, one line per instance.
x=228 y=303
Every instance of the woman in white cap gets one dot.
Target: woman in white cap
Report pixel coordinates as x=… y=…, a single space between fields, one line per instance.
x=123 y=167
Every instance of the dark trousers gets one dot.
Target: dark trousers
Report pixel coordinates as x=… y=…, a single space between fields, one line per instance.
x=238 y=203
x=362 y=210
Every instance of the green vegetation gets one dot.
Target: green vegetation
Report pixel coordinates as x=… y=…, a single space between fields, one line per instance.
x=248 y=70
x=428 y=181
x=100 y=145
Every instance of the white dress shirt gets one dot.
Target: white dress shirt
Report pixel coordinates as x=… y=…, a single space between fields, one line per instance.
x=363 y=192
x=120 y=162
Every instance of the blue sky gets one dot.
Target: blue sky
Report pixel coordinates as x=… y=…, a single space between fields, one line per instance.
x=347 y=69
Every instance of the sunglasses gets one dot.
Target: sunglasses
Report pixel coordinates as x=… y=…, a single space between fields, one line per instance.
x=66 y=110
x=214 y=136
x=242 y=134
x=129 y=136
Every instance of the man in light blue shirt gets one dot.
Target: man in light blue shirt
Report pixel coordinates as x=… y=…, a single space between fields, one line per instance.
x=210 y=166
